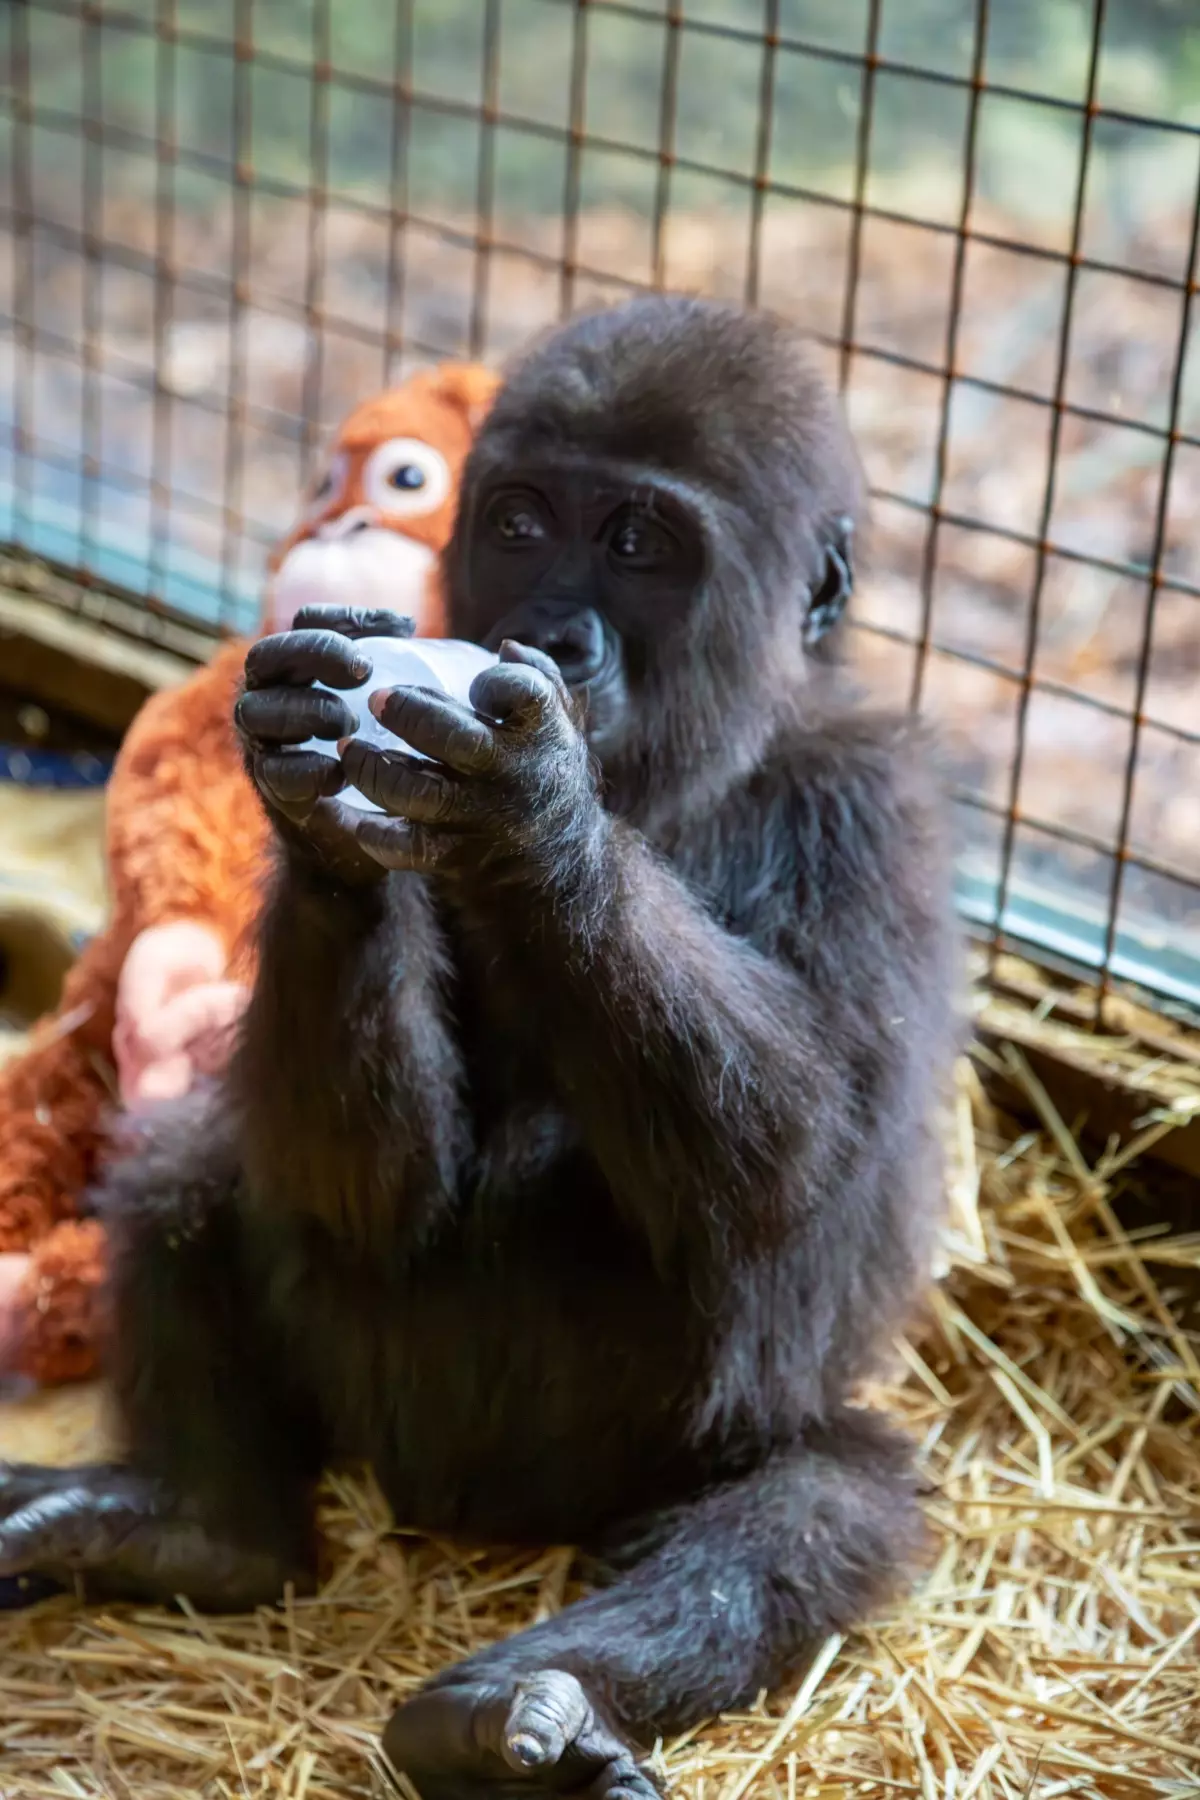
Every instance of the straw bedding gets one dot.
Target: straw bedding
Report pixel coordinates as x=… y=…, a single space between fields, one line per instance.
x=1053 y=1646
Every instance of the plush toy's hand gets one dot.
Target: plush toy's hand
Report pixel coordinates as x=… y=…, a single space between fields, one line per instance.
x=280 y=709
x=511 y=787
x=14 y=1268
x=191 y=1037
x=175 y=1011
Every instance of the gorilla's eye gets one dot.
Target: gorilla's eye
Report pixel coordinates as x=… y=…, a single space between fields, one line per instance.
x=515 y=521
x=406 y=478
x=639 y=543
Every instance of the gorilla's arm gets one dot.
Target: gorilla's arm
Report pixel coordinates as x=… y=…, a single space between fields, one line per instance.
x=347 y=1077
x=688 y=1057
x=718 y=1085
x=731 y=1091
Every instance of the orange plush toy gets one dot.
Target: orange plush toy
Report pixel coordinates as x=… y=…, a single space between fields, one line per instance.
x=150 y=1004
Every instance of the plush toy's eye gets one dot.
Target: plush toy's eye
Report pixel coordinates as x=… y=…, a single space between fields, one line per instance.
x=405 y=478
x=330 y=485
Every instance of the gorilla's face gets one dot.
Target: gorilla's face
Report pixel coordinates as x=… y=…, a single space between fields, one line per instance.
x=661 y=499
x=597 y=567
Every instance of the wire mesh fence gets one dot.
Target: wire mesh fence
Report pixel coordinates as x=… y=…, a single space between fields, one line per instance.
x=224 y=221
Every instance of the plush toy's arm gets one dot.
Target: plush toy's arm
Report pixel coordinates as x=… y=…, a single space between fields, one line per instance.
x=182 y=842
x=52 y=1318
x=185 y=837
x=52 y=1097
x=186 y=842
x=186 y=833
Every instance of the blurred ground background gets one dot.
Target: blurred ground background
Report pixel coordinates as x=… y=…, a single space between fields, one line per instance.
x=194 y=320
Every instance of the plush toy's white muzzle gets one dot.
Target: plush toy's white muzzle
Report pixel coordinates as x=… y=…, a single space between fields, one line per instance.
x=351 y=563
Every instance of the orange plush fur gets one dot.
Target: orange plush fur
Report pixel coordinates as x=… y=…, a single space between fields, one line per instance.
x=186 y=843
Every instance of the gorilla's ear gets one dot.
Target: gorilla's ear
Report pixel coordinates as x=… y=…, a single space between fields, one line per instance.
x=833 y=587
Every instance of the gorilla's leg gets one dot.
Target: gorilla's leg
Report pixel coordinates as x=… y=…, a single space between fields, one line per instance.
x=122 y=1536
x=712 y=1603
x=216 y=1500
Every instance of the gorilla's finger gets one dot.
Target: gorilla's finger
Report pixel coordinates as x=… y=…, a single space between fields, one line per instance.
x=297 y=778
x=513 y=652
x=286 y=715
x=331 y=823
x=355 y=621
x=438 y=726
x=406 y=788
x=549 y=1711
x=399 y=844
x=293 y=658
x=63 y=1529
x=516 y=693
x=326 y=829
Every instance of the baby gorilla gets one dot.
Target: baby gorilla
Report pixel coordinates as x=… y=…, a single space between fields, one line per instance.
x=577 y=1154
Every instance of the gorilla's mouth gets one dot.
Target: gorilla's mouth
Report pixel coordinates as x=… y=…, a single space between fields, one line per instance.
x=574 y=636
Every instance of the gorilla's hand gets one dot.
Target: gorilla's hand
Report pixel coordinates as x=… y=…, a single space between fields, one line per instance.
x=280 y=709
x=510 y=788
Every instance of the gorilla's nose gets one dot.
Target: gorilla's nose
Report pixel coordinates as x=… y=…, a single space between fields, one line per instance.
x=570 y=633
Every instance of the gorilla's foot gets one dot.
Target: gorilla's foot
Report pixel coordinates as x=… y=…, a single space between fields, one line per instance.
x=509 y=1737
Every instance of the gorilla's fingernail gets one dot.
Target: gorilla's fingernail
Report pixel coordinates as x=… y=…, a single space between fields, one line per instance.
x=529 y=1749
x=379 y=699
x=360 y=668
x=341 y=745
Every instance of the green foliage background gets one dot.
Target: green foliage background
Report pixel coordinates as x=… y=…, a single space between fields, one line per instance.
x=1150 y=65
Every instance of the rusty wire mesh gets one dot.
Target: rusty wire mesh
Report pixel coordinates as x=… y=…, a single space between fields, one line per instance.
x=223 y=221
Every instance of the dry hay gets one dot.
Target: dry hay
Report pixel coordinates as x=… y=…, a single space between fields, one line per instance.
x=1053 y=1648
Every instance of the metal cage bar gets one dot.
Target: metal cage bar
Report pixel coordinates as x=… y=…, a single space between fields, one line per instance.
x=1046 y=511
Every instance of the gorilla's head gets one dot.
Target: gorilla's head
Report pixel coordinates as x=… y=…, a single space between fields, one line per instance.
x=663 y=498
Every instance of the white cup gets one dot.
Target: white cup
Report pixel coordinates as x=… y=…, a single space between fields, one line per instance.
x=447 y=665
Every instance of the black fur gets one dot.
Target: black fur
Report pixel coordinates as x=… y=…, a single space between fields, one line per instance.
x=577 y=1155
